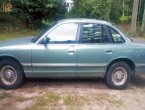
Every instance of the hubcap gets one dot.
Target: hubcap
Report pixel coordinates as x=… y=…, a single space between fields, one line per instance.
x=119 y=76
x=8 y=75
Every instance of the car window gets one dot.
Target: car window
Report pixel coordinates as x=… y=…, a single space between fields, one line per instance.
x=64 y=33
x=94 y=33
x=117 y=38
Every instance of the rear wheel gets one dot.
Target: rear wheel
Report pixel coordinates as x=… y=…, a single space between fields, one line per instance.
x=11 y=74
x=118 y=75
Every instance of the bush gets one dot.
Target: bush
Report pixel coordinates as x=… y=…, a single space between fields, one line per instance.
x=124 y=19
x=8 y=21
x=91 y=9
x=33 y=12
x=8 y=18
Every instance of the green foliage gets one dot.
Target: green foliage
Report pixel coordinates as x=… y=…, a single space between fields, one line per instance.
x=1 y=1
x=114 y=10
x=141 y=11
x=32 y=12
x=99 y=9
x=47 y=23
x=42 y=13
x=6 y=18
x=8 y=21
x=124 y=19
x=120 y=10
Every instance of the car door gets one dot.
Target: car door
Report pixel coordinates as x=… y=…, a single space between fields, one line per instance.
x=94 y=50
x=58 y=56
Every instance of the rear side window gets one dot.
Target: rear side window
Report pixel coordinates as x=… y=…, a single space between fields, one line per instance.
x=94 y=33
x=117 y=38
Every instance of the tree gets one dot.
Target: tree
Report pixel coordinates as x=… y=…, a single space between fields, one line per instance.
x=33 y=12
x=98 y=9
x=134 y=17
x=116 y=10
x=143 y=23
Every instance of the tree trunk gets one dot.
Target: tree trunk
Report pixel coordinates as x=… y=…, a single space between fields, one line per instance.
x=143 y=24
x=134 y=17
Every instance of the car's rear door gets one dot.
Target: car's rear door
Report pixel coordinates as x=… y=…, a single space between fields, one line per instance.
x=58 y=57
x=94 y=50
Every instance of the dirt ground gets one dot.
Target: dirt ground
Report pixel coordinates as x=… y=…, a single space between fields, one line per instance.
x=74 y=94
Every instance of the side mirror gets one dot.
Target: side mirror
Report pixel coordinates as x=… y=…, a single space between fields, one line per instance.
x=131 y=40
x=46 y=40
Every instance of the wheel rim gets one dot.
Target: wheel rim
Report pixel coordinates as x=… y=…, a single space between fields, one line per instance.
x=8 y=75
x=119 y=76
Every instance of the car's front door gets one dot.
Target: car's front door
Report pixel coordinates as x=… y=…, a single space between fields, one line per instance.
x=58 y=57
x=94 y=50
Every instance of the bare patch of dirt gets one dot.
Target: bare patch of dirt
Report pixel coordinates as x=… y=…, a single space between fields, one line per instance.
x=74 y=94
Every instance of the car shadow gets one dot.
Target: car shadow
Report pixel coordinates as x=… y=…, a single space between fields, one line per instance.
x=33 y=84
x=138 y=81
x=94 y=83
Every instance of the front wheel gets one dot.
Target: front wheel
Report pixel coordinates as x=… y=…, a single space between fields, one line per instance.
x=11 y=74
x=118 y=75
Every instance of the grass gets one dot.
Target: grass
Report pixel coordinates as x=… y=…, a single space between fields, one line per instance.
x=4 y=95
x=12 y=35
x=8 y=106
x=49 y=99
x=73 y=100
x=69 y=100
x=104 y=98
x=21 y=99
x=8 y=101
x=53 y=101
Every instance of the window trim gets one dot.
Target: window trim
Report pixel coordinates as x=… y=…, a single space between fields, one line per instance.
x=102 y=26
x=110 y=35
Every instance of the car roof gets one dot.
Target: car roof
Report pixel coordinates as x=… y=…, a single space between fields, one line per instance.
x=84 y=20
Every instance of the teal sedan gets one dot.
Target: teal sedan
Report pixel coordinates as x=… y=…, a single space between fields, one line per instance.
x=72 y=48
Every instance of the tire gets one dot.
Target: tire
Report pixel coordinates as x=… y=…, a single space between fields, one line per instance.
x=118 y=75
x=11 y=74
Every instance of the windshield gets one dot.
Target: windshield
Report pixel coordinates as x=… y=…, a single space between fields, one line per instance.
x=42 y=32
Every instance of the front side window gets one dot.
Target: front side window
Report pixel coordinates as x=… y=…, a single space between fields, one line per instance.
x=94 y=33
x=64 y=33
x=117 y=38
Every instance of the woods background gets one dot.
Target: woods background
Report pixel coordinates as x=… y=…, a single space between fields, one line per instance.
x=16 y=15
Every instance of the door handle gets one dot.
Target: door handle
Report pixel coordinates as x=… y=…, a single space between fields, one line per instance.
x=109 y=51
x=70 y=52
x=71 y=49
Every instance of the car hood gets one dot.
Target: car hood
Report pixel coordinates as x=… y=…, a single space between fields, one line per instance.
x=137 y=45
x=18 y=41
x=137 y=40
